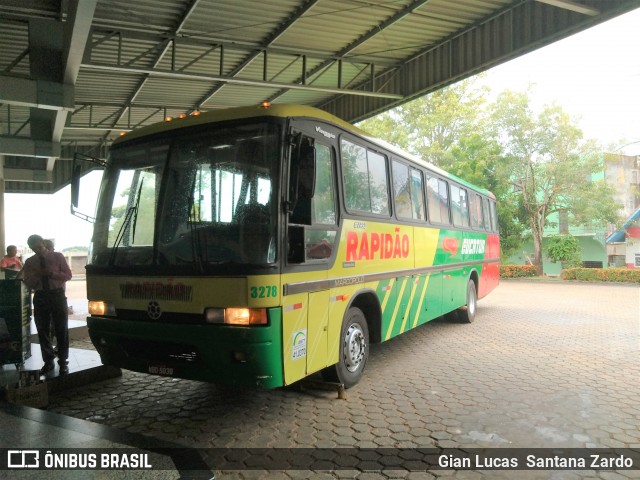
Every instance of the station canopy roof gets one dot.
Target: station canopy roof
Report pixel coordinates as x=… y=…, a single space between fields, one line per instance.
x=76 y=73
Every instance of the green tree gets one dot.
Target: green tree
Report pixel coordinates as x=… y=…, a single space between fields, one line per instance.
x=552 y=167
x=564 y=249
x=429 y=126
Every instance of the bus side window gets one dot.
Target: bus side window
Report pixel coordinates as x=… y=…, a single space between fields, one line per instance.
x=475 y=208
x=438 y=200
x=321 y=236
x=473 y=211
x=316 y=241
x=417 y=195
x=365 y=179
x=407 y=191
x=487 y=214
x=494 y=217
x=459 y=208
x=401 y=190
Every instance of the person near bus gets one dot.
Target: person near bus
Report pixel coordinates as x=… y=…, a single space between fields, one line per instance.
x=46 y=274
x=11 y=261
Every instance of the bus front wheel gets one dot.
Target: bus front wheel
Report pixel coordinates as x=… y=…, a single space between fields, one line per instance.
x=354 y=350
x=467 y=314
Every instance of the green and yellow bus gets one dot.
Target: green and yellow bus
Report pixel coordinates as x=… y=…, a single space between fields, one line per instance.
x=256 y=246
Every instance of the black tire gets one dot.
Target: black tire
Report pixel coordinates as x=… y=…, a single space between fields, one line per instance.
x=354 y=350
x=467 y=314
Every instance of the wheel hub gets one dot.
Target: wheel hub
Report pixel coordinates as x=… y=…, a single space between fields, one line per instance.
x=354 y=348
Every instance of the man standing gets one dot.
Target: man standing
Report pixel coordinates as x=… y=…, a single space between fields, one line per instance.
x=46 y=273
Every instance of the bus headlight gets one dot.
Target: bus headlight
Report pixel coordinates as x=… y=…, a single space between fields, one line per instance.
x=237 y=316
x=101 y=308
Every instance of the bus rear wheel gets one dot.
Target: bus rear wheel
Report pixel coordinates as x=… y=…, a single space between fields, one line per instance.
x=467 y=314
x=354 y=350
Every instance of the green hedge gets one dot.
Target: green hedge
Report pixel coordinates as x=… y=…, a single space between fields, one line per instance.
x=602 y=274
x=517 y=271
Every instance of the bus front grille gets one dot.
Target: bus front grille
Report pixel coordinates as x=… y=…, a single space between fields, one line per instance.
x=161 y=351
x=166 y=317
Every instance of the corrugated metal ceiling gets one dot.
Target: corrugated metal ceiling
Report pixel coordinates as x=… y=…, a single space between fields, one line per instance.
x=145 y=59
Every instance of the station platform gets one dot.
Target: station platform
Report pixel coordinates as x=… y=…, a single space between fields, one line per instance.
x=36 y=431
x=84 y=367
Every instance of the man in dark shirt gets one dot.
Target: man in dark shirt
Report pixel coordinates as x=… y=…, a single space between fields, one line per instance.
x=46 y=273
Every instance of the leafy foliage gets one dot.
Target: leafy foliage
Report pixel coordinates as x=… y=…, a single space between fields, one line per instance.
x=565 y=249
x=517 y=271
x=602 y=275
x=552 y=168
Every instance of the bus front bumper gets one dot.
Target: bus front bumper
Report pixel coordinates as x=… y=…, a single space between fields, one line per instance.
x=231 y=355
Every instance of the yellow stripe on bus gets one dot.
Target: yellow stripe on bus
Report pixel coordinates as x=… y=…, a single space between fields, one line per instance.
x=407 y=312
x=386 y=295
x=395 y=310
x=422 y=296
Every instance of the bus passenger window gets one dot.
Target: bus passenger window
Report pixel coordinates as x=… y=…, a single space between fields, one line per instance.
x=407 y=191
x=364 y=174
x=459 y=207
x=438 y=200
x=487 y=214
x=475 y=208
x=417 y=198
x=378 y=185
x=494 y=217
x=401 y=190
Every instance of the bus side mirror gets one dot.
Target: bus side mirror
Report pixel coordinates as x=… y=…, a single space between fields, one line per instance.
x=307 y=170
x=76 y=174
x=301 y=180
x=75 y=186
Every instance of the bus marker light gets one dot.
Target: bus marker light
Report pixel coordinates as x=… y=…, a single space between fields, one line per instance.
x=245 y=316
x=99 y=308
x=236 y=316
x=340 y=298
x=214 y=315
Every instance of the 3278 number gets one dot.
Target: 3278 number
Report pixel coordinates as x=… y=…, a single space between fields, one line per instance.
x=269 y=291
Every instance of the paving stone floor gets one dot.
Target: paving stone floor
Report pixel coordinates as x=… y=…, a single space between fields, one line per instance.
x=547 y=364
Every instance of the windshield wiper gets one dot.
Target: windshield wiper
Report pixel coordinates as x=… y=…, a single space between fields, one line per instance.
x=132 y=213
x=135 y=213
x=120 y=236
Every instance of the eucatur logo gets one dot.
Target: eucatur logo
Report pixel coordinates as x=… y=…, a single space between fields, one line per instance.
x=472 y=246
x=450 y=245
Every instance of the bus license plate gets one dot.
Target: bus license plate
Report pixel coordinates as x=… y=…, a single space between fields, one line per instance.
x=161 y=370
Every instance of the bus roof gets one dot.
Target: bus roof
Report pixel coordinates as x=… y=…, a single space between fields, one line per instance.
x=283 y=111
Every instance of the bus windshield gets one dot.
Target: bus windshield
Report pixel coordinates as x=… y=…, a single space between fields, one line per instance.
x=196 y=199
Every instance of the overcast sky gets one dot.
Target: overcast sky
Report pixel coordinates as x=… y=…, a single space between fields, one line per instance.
x=593 y=75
